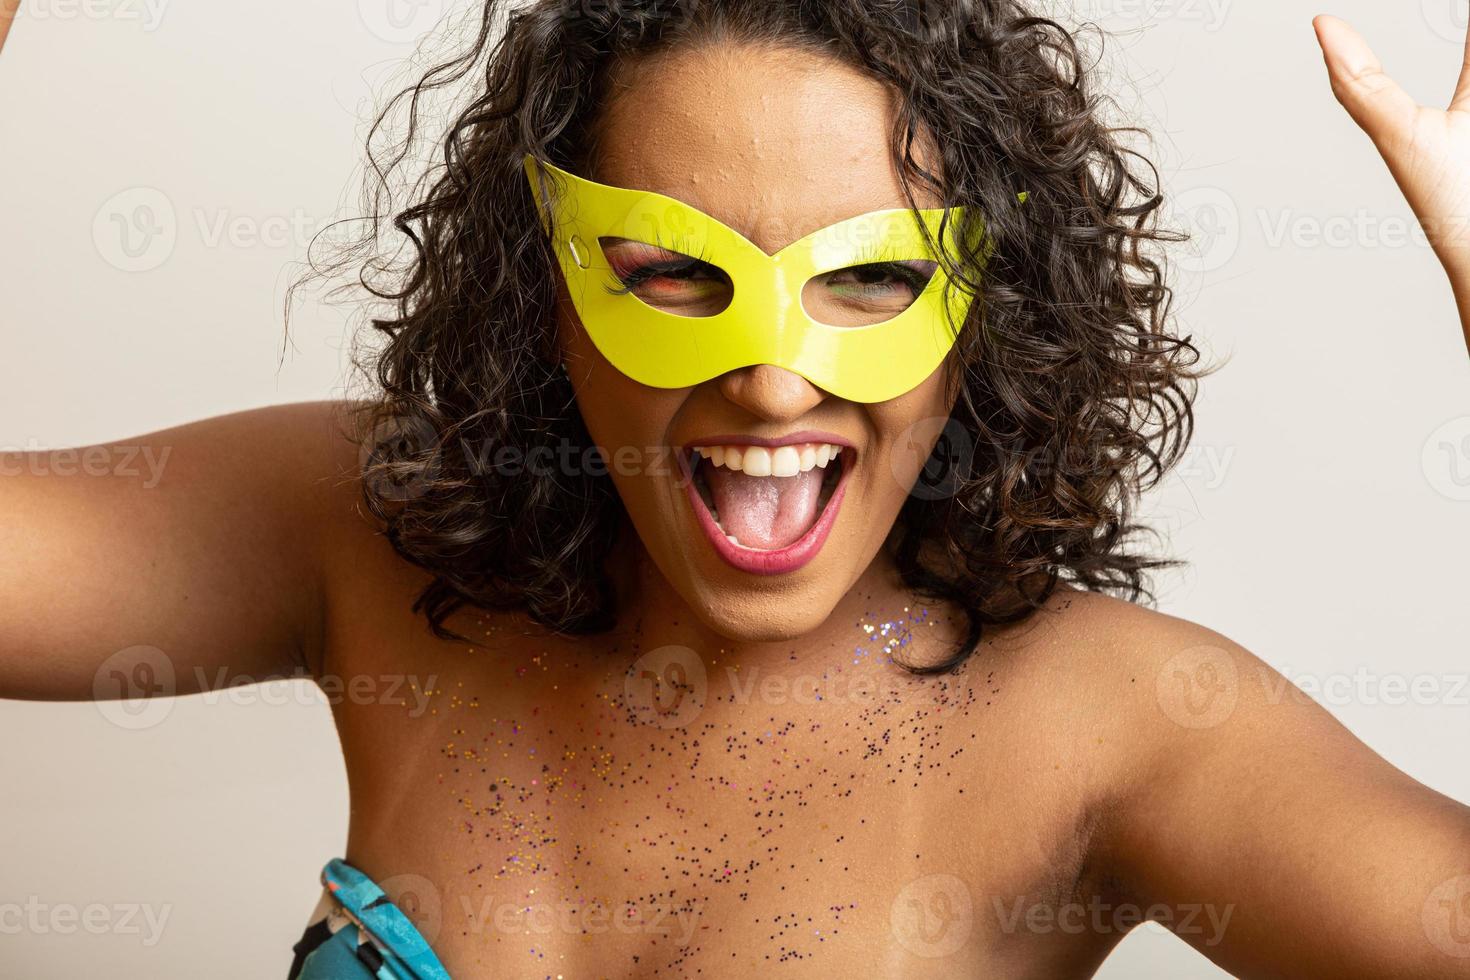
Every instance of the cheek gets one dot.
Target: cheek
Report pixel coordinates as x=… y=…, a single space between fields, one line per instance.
x=628 y=421
x=908 y=427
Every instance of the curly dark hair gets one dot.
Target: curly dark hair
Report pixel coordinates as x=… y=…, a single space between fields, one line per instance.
x=1073 y=397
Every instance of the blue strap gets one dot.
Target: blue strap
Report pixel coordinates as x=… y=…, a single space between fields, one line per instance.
x=406 y=954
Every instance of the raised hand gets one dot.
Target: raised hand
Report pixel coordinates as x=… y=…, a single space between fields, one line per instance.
x=1427 y=149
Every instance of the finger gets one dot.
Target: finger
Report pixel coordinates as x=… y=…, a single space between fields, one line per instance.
x=1375 y=101
x=1462 y=87
x=8 y=10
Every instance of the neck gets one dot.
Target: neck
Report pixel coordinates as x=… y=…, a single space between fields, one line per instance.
x=652 y=614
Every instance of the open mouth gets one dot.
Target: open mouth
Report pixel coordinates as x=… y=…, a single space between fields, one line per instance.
x=767 y=508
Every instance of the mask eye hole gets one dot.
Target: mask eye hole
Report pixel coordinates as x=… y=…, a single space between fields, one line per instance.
x=866 y=294
x=665 y=279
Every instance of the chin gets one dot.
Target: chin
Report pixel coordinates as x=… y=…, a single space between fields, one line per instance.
x=764 y=617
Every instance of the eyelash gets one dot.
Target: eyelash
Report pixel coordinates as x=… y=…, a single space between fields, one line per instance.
x=650 y=270
x=872 y=255
x=890 y=261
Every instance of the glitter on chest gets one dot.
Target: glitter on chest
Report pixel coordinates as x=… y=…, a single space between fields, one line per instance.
x=746 y=804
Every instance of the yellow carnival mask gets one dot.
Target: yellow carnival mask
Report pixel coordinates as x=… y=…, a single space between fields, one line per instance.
x=867 y=351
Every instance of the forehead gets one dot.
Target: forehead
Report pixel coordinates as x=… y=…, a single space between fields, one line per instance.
x=774 y=142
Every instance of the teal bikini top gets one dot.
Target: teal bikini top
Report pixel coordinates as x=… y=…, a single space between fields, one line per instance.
x=378 y=942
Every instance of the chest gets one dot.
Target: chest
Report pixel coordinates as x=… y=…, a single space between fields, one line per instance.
x=668 y=818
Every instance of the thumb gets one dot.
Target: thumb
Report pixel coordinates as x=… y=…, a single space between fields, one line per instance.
x=1375 y=101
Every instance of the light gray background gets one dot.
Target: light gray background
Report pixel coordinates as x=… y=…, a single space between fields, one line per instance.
x=1324 y=509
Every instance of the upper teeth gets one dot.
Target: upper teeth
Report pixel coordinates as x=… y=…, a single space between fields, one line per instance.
x=780 y=461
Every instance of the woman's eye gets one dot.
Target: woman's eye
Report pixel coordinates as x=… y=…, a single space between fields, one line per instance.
x=881 y=281
x=684 y=271
x=684 y=285
x=668 y=280
x=866 y=294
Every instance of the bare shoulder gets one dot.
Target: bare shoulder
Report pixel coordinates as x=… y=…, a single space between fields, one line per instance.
x=300 y=467
x=1093 y=625
x=303 y=446
x=1160 y=674
x=1153 y=694
x=319 y=439
x=211 y=538
x=1217 y=783
x=1109 y=652
x=301 y=459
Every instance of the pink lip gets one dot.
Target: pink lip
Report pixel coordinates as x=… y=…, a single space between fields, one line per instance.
x=797 y=553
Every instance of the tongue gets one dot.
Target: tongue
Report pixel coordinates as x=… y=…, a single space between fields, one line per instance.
x=766 y=512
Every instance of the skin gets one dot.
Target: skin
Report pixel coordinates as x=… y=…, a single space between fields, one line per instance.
x=1085 y=763
x=8 y=10
x=1426 y=148
x=722 y=142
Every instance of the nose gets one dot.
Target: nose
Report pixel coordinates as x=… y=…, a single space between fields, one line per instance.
x=771 y=393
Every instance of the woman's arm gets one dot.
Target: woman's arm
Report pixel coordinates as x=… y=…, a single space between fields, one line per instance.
x=174 y=562
x=1261 y=830
x=1266 y=834
x=1427 y=150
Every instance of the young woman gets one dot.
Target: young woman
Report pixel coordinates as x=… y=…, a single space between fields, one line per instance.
x=759 y=426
